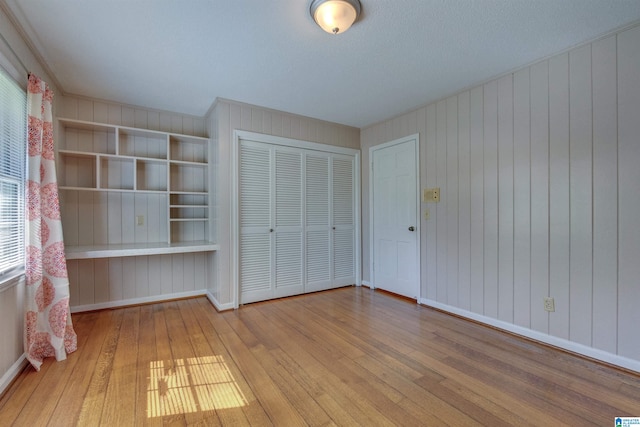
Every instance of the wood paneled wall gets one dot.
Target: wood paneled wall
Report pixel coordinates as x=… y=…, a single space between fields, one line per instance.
x=80 y=108
x=101 y=282
x=540 y=193
x=98 y=282
x=11 y=311
x=228 y=116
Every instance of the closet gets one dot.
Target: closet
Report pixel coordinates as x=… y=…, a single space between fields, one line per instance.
x=297 y=217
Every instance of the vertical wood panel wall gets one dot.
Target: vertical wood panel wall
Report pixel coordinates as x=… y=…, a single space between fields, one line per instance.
x=228 y=116
x=108 y=280
x=540 y=194
x=11 y=310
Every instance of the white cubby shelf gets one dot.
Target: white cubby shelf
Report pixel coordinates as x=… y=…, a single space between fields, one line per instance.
x=129 y=192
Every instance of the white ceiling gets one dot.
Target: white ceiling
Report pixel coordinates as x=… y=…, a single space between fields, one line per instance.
x=179 y=55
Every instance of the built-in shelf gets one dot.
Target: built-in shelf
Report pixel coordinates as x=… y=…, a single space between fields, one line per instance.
x=122 y=184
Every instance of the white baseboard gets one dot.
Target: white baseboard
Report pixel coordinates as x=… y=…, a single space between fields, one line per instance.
x=366 y=283
x=584 y=350
x=136 y=301
x=12 y=373
x=217 y=305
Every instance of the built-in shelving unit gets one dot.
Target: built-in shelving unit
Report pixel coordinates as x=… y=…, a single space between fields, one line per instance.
x=129 y=192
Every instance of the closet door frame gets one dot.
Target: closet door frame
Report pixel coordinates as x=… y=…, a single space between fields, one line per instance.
x=240 y=135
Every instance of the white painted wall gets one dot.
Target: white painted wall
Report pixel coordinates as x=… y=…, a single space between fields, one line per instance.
x=228 y=116
x=540 y=193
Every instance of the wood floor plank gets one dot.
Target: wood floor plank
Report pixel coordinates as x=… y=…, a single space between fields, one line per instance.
x=462 y=397
x=94 y=400
x=502 y=364
x=91 y=330
x=308 y=379
x=389 y=355
x=185 y=362
x=53 y=382
x=14 y=398
x=278 y=408
x=286 y=373
x=585 y=396
x=18 y=397
x=496 y=395
x=147 y=355
x=381 y=402
x=168 y=406
x=326 y=381
x=120 y=399
x=351 y=356
x=220 y=391
x=213 y=324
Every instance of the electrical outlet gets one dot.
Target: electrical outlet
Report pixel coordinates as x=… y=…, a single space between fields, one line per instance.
x=140 y=219
x=549 y=304
x=431 y=194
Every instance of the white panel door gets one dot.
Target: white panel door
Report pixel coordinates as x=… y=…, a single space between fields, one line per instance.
x=255 y=258
x=395 y=221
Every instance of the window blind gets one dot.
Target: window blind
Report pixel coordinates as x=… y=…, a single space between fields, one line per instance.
x=13 y=141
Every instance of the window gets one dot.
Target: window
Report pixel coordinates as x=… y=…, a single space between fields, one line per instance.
x=13 y=137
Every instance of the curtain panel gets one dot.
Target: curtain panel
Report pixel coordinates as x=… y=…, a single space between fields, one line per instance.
x=48 y=328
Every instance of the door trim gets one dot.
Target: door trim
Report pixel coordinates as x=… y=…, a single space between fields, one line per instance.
x=372 y=150
x=235 y=181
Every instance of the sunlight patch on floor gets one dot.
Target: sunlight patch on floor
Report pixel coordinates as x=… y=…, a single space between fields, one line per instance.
x=191 y=385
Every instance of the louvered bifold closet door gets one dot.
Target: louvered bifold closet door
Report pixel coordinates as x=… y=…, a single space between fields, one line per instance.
x=289 y=279
x=343 y=216
x=256 y=271
x=297 y=220
x=318 y=223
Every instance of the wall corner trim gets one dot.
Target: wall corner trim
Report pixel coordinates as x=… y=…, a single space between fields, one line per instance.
x=218 y=306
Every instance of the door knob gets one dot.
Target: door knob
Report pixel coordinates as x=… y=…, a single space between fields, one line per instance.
x=412 y=228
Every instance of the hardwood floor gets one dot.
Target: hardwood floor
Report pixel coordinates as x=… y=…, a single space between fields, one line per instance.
x=350 y=356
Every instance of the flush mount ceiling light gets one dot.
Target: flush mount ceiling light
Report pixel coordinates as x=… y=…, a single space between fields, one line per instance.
x=335 y=16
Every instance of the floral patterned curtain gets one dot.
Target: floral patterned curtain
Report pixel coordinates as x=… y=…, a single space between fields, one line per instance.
x=48 y=329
